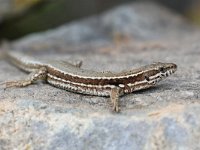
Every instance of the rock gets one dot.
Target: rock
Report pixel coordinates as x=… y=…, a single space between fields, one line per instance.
x=128 y=21
x=164 y=117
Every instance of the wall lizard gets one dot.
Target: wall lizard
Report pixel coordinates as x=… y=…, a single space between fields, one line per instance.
x=72 y=77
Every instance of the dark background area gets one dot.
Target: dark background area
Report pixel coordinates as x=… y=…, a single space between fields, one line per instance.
x=47 y=14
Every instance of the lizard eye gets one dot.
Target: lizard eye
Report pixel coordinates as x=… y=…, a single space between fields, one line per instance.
x=162 y=70
x=147 y=78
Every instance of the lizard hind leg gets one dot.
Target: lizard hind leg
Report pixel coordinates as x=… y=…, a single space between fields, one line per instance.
x=39 y=74
x=78 y=63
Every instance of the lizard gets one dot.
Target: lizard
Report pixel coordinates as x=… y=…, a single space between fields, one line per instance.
x=72 y=77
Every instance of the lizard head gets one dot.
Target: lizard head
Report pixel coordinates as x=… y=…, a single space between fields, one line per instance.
x=159 y=71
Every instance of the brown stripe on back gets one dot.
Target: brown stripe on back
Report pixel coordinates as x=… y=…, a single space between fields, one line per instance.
x=102 y=82
x=75 y=85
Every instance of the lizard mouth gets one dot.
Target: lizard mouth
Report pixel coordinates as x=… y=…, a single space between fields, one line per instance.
x=169 y=70
x=161 y=76
x=168 y=73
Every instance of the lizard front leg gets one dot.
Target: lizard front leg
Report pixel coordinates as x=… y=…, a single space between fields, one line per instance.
x=114 y=95
x=39 y=74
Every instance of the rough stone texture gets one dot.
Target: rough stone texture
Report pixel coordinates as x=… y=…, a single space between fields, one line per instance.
x=165 y=117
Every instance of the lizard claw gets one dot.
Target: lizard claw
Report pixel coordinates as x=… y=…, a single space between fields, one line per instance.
x=4 y=85
x=79 y=63
x=116 y=108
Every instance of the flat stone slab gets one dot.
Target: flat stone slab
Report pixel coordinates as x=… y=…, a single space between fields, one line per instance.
x=164 y=117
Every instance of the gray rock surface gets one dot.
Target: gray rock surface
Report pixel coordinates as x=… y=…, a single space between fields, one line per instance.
x=165 y=117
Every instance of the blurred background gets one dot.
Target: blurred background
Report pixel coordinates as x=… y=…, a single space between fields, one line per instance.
x=22 y=17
